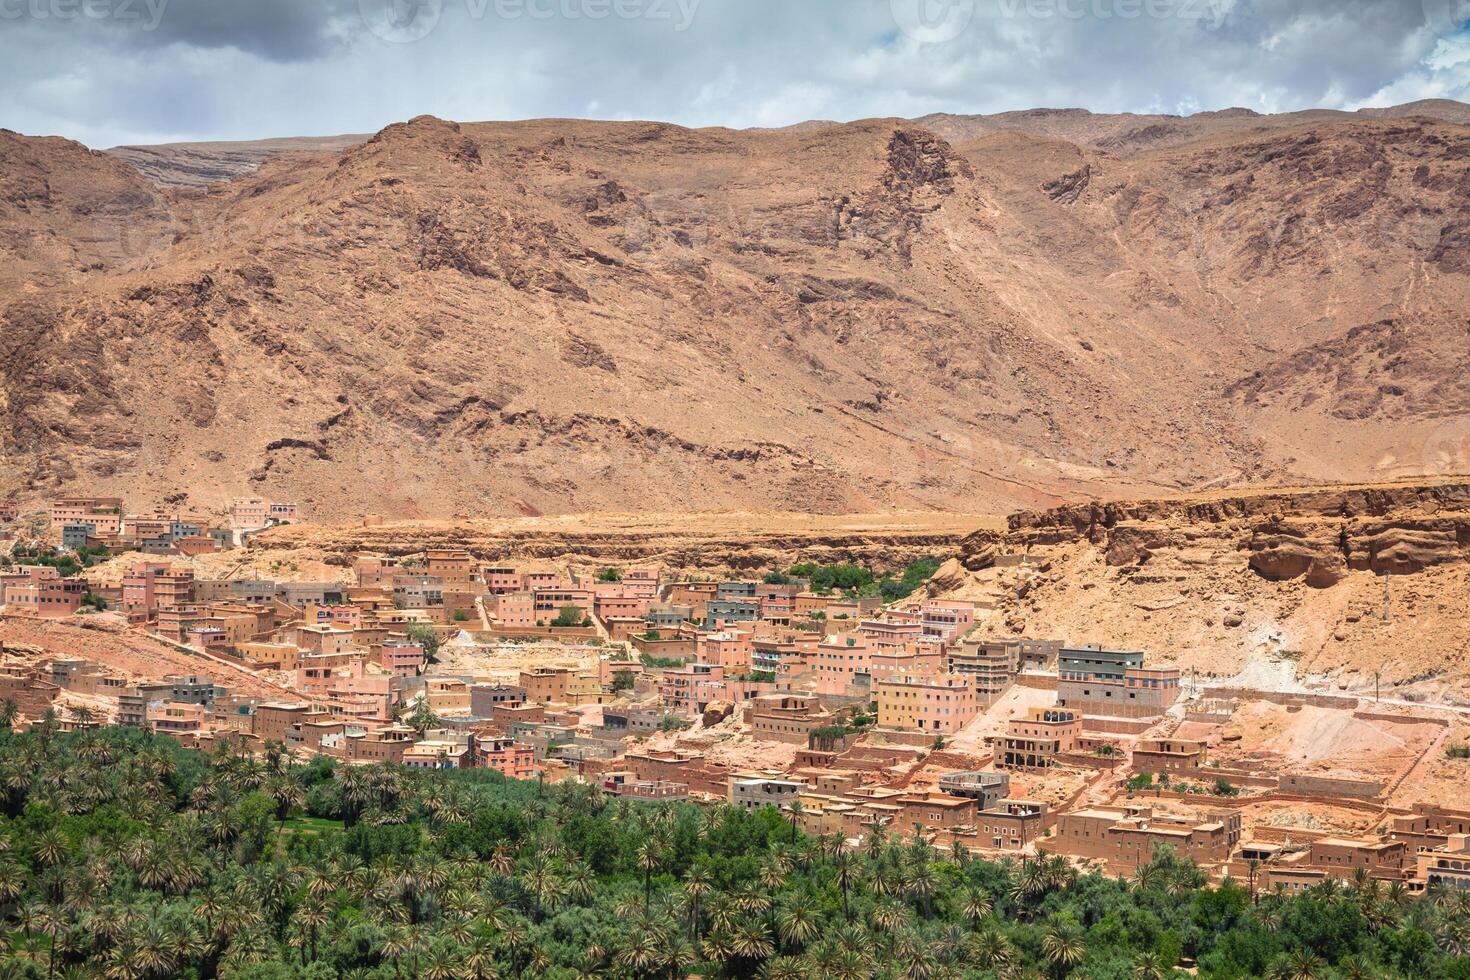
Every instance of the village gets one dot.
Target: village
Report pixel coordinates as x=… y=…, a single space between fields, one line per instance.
x=847 y=710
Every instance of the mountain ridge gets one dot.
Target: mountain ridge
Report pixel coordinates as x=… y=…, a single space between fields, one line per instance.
x=568 y=316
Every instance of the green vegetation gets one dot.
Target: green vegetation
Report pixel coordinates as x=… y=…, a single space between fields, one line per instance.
x=758 y=677
x=777 y=578
x=128 y=858
x=827 y=579
x=893 y=589
x=662 y=663
x=609 y=575
x=623 y=680
x=571 y=616
x=427 y=637
x=855 y=582
x=68 y=563
x=461 y=616
x=1457 y=751
x=1142 y=780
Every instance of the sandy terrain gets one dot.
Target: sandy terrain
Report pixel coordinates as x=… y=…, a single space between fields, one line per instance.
x=1439 y=779
x=102 y=640
x=501 y=663
x=1323 y=740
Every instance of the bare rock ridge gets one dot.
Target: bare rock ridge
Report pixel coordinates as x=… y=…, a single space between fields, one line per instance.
x=1339 y=581
x=975 y=314
x=1316 y=535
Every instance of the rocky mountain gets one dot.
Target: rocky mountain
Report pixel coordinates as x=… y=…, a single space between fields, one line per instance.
x=1348 y=585
x=564 y=316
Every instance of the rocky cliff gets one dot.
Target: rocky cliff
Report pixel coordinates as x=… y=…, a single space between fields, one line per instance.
x=964 y=313
x=1340 y=581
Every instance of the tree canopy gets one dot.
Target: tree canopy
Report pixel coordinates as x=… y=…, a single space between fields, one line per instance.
x=123 y=856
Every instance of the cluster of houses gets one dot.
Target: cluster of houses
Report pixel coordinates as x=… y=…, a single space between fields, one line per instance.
x=102 y=522
x=645 y=675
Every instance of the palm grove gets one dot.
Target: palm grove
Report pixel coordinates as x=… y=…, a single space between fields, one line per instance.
x=123 y=856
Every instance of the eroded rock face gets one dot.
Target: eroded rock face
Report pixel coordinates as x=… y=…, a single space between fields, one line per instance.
x=717 y=712
x=1316 y=536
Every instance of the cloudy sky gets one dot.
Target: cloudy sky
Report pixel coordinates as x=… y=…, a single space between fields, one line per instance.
x=143 y=71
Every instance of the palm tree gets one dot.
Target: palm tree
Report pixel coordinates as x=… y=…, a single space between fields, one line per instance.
x=751 y=942
x=847 y=876
x=1063 y=949
x=697 y=884
x=1301 y=965
x=1149 y=967
x=976 y=906
x=647 y=859
x=797 y=925
x=795 y=809
x=990 y=949
x=785 y=968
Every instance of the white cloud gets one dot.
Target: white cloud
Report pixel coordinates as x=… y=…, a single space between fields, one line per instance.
x=219 y=69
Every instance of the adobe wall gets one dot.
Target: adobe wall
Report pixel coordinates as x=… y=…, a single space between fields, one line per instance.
x=1117 y=726
x=1315 y=700
x=1314 y=785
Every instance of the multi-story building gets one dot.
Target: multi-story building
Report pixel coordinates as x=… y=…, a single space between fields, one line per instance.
x=485 y=698
x=987 y=789
x=788 y=718
x=944 y=621
x=454 y=568
x=1034 y=742
x=545 y=685
x=506 y=756
x=754 y=792
x=104 y=513
x=42 y=596
x=1169 y=755
x=941 y=703
x=1125 y=837
x=1098 y=681
x=150 y=587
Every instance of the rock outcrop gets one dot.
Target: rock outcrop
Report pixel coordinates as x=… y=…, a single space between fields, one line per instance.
x=1343 y=582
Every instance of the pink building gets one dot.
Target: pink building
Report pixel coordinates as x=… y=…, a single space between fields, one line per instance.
x=513 y=610
x=946 y=621
x=399 y=657
x=43 y=596
x=731 y=650
x=507 y=757
x=837 y=662
x=105 y=513
x=176 y=718
x=889 y=634
x=152 y=586
x=618 y=605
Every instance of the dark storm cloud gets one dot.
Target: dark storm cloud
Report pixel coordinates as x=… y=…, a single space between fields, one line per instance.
x=275 y=30
x=215 y=69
